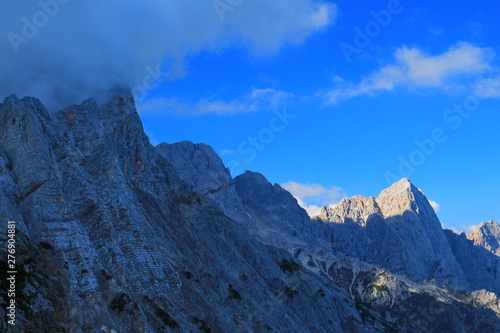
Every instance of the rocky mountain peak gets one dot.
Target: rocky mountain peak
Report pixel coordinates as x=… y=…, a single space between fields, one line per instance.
x=403 y=196
x=197 y=164
x=398 y=229
x=357 y=209
x=398 y=199
x=402 y=186
x=117 y=235
x=254 y=188
x=487 y=235
x=12 y=99
x=262 y=198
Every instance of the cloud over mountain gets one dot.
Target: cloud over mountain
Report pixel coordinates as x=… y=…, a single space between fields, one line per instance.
x=63 y=51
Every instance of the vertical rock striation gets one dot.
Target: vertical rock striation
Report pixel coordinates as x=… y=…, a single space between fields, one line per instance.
x=114 y=234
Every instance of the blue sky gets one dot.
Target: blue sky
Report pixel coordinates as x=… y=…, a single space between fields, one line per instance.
x=419 y=98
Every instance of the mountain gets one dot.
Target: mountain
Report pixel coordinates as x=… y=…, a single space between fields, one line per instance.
x=480 y=266
x=116 y=235
x=113 y=235
x=487 y=235
x=398 y=230
x=348 y=245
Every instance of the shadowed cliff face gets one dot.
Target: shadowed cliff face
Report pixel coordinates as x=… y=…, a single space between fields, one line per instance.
x=389 y=252
x=487 y=235
x=399 y=230
x=115 y=234
x=481 y=267
x=358 y=244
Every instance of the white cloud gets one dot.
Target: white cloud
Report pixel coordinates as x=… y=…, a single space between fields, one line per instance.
x=458 y=232
x=435 y=205
x=90 y=47
x=228 y=152
x=270 y=24
x=413 y=68
x=271 y=96
x=172 y=105
x=257 y=99
x=312 y=197
x=468 y=228
x=312 y=210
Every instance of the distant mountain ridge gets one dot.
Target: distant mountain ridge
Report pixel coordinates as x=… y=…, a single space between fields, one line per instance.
x=487 y=235
x=117 y=235
x=399 y=230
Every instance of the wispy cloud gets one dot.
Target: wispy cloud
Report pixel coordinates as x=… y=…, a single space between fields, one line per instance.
x=312 y=197
x=274 y=23
x=228 y=152
x=257 y=99
x=413 y=68
x=435 y=205
x=468 y=228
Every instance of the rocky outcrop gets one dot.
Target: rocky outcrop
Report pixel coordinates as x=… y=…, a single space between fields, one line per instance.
x=480 y=266
x=342 y=248
x=114 y=234
x=487 y=235
x=477 y=254
x=274 y=211
x=201 y=168
x=416 y=306
x=398 y=230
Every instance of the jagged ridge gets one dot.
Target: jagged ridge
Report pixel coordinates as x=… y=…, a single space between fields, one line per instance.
x=115 y=234
x=118 y=234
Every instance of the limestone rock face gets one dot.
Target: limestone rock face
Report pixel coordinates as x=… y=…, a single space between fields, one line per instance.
x=398 y=230
x=197 y=165
x=201 y=168
x=273 y=209
x=116 y=235
x=480 y=266
x=487 y=235
x=350 y=245
x=357 y=209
